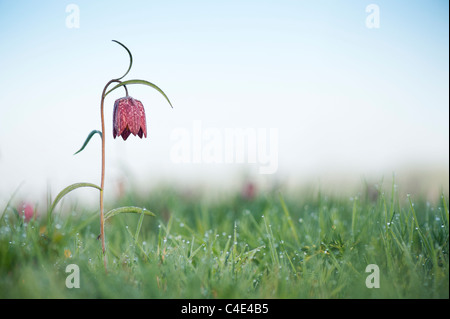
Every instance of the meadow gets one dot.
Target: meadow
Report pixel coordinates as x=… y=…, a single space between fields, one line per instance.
x=271 y=244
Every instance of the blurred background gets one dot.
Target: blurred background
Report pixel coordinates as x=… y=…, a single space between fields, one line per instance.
x=354 y=94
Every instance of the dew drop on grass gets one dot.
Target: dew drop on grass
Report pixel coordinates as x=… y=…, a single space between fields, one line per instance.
x=181 y=224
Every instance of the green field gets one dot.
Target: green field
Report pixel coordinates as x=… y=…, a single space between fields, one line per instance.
x=275 y=245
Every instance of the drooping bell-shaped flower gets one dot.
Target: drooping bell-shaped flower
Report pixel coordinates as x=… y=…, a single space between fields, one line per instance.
x=129 y=118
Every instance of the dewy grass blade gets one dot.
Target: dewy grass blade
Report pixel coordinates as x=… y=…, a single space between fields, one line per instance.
x=194 y=252
x=416 y=222
x=138 y=228
x=140 y=82
x=288 y=217
x=272 y=248
x=88 y=139
x=429 y=248
x=354 y=216
x=391 y=209
x=444 y=203
x=9 y=201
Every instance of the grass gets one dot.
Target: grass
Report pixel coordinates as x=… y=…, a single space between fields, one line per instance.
x=271 y=246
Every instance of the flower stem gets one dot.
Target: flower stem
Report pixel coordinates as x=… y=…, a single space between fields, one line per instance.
x=102 y=183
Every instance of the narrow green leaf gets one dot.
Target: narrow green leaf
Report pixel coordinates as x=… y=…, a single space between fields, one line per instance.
x=354 y=215
x=68 y=189
x=194 y=252
x=9 y=201
x=127 y=210
x=391 y=209
x=131 y=59
x=140 y=82
x=88 y=139
x=444 y=202
x=288 y=217
x=138 y=229
x=413 y=213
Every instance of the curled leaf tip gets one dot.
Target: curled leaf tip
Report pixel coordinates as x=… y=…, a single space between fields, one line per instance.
x=131 y=58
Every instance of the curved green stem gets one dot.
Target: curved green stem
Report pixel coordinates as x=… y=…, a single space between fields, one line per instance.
x=102 y=183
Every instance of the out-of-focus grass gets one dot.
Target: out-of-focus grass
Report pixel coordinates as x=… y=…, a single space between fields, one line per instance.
x=269 y=246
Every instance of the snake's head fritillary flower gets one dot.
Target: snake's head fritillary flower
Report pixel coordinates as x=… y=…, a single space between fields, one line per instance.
x=249 y=191
x=26 y=211
x=129 y=118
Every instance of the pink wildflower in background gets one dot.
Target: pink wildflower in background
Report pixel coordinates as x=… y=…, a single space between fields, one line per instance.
x=26 y=211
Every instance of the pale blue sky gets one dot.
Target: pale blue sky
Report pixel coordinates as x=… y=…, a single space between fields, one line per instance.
x=342 y=96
